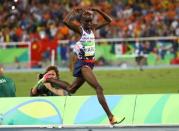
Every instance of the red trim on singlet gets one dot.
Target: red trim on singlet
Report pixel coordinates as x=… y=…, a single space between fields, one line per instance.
x=89 y=61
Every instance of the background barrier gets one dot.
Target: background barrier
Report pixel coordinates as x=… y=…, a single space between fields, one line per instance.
x=138 y=109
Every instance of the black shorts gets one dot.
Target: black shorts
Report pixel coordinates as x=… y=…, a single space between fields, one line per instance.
x=78 y=65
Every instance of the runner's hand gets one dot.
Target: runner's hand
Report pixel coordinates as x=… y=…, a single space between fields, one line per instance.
x=78 y=9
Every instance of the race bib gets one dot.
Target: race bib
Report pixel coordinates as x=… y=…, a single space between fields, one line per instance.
x=89 y=48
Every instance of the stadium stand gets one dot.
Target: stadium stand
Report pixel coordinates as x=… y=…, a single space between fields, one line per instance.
x=41 y=20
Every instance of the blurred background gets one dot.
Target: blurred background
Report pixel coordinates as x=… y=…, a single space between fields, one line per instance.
x=32 y=34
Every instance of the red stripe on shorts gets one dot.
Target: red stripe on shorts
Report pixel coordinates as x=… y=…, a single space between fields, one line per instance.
x=89 y=61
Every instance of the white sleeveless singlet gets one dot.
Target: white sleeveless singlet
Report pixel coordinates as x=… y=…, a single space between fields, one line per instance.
x=86 y=44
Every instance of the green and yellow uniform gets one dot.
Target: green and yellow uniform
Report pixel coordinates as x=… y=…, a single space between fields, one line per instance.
x=7 y=87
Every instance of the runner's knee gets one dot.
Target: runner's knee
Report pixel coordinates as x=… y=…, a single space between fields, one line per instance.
x=72 y=91
x=99 y=89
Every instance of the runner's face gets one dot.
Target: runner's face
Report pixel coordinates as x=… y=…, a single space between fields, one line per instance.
x=87 y=21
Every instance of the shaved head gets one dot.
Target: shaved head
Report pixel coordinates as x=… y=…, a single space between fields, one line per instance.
x=87 y=13
x=86 y=19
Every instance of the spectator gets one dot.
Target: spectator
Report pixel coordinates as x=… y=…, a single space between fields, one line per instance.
x=70 y=52
x=140 y=55
x=46 y=56
x=7 y=85
x=48 y=89
x=63 y=54
x=131 y=18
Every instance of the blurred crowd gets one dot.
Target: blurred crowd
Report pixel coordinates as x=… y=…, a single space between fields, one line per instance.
x=31 y=20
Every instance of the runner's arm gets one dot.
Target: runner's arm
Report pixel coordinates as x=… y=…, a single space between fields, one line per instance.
x=106 y=17
x=68 y=20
